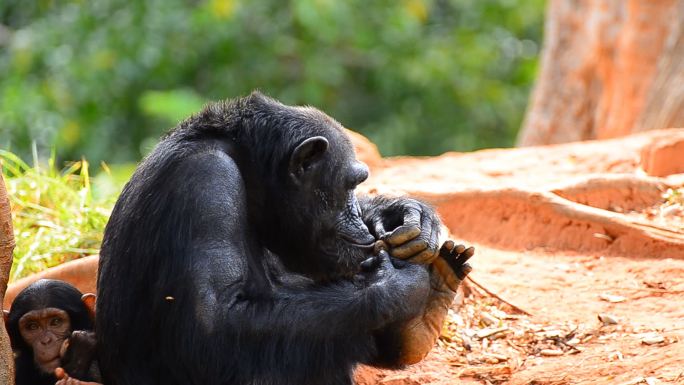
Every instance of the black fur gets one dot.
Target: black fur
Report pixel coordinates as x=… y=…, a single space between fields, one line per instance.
x=222 y=263
x=80 y=358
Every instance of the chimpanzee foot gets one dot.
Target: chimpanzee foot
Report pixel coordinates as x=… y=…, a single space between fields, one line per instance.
x=457 y=257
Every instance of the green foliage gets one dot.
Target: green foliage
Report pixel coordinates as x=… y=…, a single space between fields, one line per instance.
x=173 y=105
x=105 y=78
x=57 y=215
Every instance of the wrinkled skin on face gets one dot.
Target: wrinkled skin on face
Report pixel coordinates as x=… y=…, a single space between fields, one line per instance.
x=323 y=174
x=352 y=241
x=44 y=331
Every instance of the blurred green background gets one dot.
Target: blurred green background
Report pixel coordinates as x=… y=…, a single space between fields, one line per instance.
x=104 y=79
x=97 y=82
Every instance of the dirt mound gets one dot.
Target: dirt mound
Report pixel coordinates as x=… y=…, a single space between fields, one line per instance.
x=588 y=197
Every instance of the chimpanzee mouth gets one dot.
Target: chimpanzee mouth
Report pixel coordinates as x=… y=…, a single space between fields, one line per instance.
x=52 y=362
x=354 y=243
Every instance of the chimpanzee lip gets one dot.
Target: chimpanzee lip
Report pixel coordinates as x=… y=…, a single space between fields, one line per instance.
x=363 y=246
x=359 y=245
x=55 y=358
x=353 y=240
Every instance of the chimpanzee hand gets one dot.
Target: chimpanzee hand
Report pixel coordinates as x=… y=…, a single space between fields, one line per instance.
x=446 y=274
x=451 y=268
x=409 y=227
x=64 y=379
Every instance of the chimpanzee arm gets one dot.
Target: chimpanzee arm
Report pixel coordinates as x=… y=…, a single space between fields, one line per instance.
x=408 y=342
x=320 y=311
x=410 y=227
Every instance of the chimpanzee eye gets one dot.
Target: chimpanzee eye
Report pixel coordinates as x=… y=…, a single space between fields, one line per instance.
x=32 y=326
x=55 y=321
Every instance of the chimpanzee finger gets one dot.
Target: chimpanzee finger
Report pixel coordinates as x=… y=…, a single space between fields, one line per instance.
x=409 y=249
x=463 y=271
x=424 y=257
x=60 y=373
x=379 y=245
x=431 y=223
x=427 y=252
x=446 y=248
x=383 y=258
x=457 y=261
x=412 y=214
x=379 y=228
x=370 y=264
x=383 y=254
x=465 y=255
x=411 y=226
x=459 y=249
x=402 y=234
x=386 y=262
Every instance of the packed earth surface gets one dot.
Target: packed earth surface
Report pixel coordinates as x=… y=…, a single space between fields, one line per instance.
x=579 y=271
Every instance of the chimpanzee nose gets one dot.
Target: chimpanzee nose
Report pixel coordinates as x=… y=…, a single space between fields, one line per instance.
x=362 y=171
x=357 y=174
x=46 y=339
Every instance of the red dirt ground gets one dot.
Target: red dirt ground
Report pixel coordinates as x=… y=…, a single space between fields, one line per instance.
x=565 y=232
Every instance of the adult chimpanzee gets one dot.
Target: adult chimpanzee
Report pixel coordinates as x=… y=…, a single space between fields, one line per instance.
x=238 y=254
x=41 y=318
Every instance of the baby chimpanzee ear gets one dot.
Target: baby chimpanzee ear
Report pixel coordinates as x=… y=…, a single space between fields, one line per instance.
x=307 y=154
x=89 y=302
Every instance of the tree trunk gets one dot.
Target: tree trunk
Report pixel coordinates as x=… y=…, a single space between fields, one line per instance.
x=6 y=248
x=609 y=68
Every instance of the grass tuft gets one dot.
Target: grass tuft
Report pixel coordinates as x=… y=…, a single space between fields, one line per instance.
x=58 y=215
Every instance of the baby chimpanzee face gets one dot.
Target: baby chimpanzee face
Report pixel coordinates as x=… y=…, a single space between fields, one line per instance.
x=44 y=331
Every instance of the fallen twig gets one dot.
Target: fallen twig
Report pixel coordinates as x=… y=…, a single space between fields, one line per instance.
x=648 y=290
x=491 y=293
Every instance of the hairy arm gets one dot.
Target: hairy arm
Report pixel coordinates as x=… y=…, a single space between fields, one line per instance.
x=408 y=342
x=410 y=229
x=373 y=300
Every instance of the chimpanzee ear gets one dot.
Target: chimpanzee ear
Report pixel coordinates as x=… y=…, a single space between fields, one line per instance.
x=307 y=154
x=89 y=300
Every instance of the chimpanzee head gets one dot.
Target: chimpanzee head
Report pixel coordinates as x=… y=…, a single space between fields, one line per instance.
x=42 y=316
x=310 y=171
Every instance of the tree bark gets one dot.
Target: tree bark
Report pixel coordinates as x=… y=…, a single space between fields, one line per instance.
x=6 y=248
x=608 y=68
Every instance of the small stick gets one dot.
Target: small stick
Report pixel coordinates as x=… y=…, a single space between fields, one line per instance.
x=647 y=289
x=516 y=308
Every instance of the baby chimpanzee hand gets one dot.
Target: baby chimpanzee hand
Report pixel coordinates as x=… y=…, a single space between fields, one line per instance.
x=64 y=379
